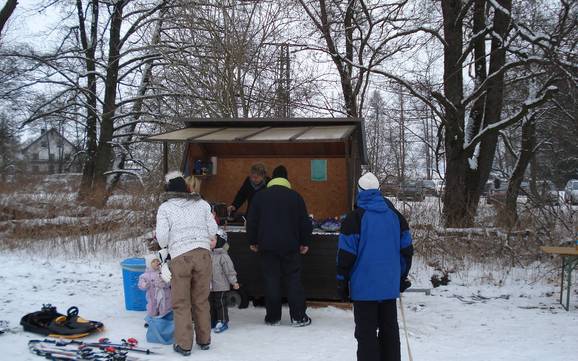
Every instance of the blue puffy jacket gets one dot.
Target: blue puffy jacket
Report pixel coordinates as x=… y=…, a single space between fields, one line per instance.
x=375 y=249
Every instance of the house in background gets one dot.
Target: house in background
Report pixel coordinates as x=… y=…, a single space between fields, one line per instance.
x=50 y=153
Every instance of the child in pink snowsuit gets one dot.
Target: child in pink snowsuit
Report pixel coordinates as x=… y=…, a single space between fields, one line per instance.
x=158 y=292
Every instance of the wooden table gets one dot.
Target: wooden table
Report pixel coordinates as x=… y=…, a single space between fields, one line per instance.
x=569 y=262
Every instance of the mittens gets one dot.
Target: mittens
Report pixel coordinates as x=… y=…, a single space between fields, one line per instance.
x=164 y=255
x=404 y=284
x=166 y=272
x=343 y=290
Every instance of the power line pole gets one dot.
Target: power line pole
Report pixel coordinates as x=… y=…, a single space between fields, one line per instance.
x=401 y=136
x=282 y=101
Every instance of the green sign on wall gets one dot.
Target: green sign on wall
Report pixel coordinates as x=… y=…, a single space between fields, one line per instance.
x=319 y=170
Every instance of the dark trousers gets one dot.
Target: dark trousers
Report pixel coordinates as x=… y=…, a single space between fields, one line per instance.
x=287 y=268
x=219 y=307
x=376 y=330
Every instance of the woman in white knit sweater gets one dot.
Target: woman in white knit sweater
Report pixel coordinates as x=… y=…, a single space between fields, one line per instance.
x=186 y=226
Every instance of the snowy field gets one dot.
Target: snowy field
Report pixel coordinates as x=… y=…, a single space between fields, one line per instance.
x=471 y=319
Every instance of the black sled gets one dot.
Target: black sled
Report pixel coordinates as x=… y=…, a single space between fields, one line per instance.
x=49 y=322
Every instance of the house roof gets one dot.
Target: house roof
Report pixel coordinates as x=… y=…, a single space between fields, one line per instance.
x=52 y=130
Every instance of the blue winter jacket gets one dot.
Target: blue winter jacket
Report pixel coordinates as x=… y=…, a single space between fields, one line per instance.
x=375 y=249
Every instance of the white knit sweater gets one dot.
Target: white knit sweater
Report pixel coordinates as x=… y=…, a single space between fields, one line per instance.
x=184 y=225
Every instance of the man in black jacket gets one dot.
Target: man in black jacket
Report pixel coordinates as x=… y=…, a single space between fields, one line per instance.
x=255 y=182
x=279 y=228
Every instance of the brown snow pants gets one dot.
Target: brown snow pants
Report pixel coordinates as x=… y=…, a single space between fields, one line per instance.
x=190 y=288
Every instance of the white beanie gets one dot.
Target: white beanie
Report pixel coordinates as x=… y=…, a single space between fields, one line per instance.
x=368 y=181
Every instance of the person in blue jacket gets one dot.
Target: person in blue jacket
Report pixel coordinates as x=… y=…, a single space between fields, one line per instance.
x=373 y=262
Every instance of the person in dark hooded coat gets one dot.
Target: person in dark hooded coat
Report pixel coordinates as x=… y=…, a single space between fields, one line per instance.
x=279 y=229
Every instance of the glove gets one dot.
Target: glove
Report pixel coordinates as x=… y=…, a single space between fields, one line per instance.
x=221 y=233
x=343 y=290
x=164 y=255
x=166 y=273
x=404 y=284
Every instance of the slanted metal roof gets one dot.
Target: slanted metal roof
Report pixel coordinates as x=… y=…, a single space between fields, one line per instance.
x=257 y=135
x=259 y=122
x=182 y=134
x=268 y=130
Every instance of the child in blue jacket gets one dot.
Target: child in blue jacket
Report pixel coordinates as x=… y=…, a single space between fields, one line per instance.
x=373 y=261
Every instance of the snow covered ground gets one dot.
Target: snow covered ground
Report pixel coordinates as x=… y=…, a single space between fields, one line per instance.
x=471 y=319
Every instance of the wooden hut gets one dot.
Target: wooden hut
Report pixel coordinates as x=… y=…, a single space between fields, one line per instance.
x=323 y=157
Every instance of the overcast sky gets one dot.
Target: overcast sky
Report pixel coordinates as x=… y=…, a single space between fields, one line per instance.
x=29 y=24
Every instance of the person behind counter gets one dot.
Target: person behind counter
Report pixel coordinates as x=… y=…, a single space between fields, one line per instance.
x=255 y=182
x=279 y=229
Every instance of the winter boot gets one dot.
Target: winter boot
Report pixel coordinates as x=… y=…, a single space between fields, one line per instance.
x=221 y=327
x=182 y=351
x=306 y=321
x=268 y=322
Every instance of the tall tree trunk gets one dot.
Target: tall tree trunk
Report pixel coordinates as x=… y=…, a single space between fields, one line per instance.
x=492 y=108
x=104 y=150
x=456 y=212
x=343 y=68
x=137 y=106
x=89 y=47
x=464 y=189
x=476 y=117
x=508 y=213
x=6 y=12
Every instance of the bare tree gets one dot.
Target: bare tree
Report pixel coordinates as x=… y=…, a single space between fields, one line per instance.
x=358 y=36
x=471 y=113
x=229 y=59
x=92 y=77
x=6 y=12
x=548 y=116
x=8 y=146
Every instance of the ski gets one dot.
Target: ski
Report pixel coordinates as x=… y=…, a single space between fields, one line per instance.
x=129 y=344
x=103 y=344
x=55 y=353
x=54 y=350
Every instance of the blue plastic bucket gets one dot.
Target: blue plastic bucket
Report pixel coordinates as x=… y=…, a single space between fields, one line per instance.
x=134 y=298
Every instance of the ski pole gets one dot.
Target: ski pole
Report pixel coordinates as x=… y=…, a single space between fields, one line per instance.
x=405 y=328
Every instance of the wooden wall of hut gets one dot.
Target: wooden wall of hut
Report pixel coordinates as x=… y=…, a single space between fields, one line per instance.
x=323 y=199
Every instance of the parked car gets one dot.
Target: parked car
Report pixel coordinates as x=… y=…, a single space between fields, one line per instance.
x=440 y=186
x=497 y=195
x=571 y=192
x=429 y=187
x=411 y=191
x=525 y=188
x=495 y=191
x=545 y=193
x=487 y=187
x=390 y=189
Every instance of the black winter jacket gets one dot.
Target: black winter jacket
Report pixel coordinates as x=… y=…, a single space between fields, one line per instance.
x=278 y=221
x=246 y=193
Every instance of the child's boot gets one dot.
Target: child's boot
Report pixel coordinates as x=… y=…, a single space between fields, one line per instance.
x=221 y=327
